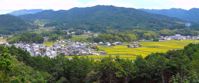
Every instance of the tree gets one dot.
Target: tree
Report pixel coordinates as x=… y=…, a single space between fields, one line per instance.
x=112 y=70
x=12 y=70
x=74 y=70
x=28 y=37
x=181 y=63
x=150 y=35
x=5 y=65
x=166 y=32
x=159 y=63
x=128 y=69
x=142 y=69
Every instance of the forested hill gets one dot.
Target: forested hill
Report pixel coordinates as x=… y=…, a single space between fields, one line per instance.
x=191 y=15
x=102 y=17
x=9 y=24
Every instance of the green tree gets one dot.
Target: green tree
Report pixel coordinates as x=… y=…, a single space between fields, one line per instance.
x=150 y=35
x=158 y=63
x=6 y=65
x=166 y=32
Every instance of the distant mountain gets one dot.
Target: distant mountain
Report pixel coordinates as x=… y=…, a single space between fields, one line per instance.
x=24 y=12
x=10 y=24
x=191 y=15
x=104 y=17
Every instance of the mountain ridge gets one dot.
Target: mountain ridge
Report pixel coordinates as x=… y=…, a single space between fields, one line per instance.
x=10 y=24
x=25 y=12
x=103 y=17
x=191 y=15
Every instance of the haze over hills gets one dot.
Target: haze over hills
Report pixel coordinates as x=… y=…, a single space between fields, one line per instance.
x=103 y=17
x=191 y=15
x=24 y=12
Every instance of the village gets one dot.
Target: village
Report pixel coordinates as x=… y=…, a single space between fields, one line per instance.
x=67 y=48
x=178 y=37
x=71 y=48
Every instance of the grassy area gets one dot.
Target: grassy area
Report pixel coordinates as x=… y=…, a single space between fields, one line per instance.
x=82 y=38
x=147 y=48
x=48 y=43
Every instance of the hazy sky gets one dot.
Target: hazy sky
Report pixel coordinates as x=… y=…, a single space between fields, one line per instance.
x=10 y=5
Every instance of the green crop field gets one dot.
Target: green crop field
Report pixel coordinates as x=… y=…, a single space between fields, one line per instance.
x=147 y=48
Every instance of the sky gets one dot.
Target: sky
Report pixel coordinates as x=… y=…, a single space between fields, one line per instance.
x=11 y=5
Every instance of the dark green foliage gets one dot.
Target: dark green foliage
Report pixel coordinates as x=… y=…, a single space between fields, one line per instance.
x=187 y=15
x=158 y=65
x=13 y=71
x=177 y=66
x=150 y=35
x=55 y=35
x=112 y=37
x=115 y=70
x=10 y=24
x=27 y=38
x=101 y=18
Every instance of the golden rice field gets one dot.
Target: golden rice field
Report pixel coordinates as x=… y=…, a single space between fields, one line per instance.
x=147 y=48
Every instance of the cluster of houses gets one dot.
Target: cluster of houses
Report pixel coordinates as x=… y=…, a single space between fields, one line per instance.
x=179 y=37
x=134 y=45
x=110 y=44
x=62 y=47
x=68 y=48
x=78 y=48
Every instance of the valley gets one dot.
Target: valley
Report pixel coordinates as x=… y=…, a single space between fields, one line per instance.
x=99 y=43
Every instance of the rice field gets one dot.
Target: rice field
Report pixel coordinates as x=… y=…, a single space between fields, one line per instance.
x=147 y=48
